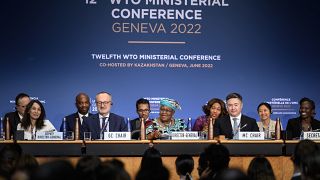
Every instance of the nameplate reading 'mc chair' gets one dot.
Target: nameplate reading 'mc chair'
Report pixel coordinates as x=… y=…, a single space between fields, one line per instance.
x=249 y=136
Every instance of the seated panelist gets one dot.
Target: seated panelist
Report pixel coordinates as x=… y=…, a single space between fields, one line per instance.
x=21 y=101
x=305 y=122
x=266 y=124
x=143 y=111
x=160 y=127
x=83 y=104
x=104 y=120
x=34 y=120
x=214 y=109
x=236 y=121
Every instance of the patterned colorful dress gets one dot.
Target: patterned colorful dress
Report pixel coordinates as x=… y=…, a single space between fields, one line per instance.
x=179 y=125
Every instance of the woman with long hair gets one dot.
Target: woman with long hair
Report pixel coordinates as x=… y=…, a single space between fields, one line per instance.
x=34 y=120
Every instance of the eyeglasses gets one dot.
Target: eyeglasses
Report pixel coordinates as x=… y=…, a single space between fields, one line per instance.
x=143 y=110
x=99 y=103
x=165 y=111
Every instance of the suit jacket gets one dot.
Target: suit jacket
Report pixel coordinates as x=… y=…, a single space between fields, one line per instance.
x=294 y=127
x=223 y=126
x=135 y=128
x=92 y=124
x=14 y=120
x=70 y=119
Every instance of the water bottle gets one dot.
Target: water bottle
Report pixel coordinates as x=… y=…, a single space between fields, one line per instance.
x=210 y=129
x=301 y=135
x=64 y=128
x=278 y=129
x=142 y=129
x=1 y=130
x=189 y=124
x=77 y=129
x=8 y=128
x=128 y=124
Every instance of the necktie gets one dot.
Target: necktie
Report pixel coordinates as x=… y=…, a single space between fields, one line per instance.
x=103 y=127
x=103 y=123
x=235 y=126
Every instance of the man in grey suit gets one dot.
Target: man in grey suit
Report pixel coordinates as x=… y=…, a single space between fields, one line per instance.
x=236 y=121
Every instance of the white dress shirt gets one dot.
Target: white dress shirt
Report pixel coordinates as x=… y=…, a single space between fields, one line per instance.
x=48 y=127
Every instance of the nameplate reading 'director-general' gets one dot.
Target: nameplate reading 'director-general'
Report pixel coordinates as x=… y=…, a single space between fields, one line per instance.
x=117 y=136
x=49 y=136
x=250 y=136
x=311 y=135
x=185 y=135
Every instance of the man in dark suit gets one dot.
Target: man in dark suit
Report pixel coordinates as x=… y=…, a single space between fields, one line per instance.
x=143 y=110
x=236 y=121
x=83 y=104
x=21 y=101
x=103 y=120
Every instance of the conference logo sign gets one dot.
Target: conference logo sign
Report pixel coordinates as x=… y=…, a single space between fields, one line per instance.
x=284 y=105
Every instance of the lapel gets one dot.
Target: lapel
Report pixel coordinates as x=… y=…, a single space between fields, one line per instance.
x=96 y=123
x=137 y=124
x=242 y=122
x=228 y=125
x=111 y=123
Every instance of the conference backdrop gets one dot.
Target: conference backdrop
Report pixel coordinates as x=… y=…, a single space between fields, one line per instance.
x=188 y=50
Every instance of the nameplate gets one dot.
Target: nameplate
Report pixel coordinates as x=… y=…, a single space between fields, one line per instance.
x=185 y=135
x=311 y=135
x=49 y=136
x=117 y=136
x=250 y=136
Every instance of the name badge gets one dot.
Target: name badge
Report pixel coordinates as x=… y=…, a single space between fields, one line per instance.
x=117 y=136
x=185 y=135
x=49 y=136
x=250 y=136
x=311 y=135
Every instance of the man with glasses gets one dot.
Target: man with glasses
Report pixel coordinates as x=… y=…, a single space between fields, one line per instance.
x=143 y=110
x=83 y=104
x=236 y=121
x=15 y=117
x=104 y=120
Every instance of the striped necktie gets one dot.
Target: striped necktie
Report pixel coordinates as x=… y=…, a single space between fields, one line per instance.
x=235 y=126
x=103 y=124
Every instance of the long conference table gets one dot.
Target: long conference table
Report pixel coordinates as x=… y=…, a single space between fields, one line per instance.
x=277 y=151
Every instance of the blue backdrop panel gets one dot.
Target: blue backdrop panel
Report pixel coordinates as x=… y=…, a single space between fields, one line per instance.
x=269 y=51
